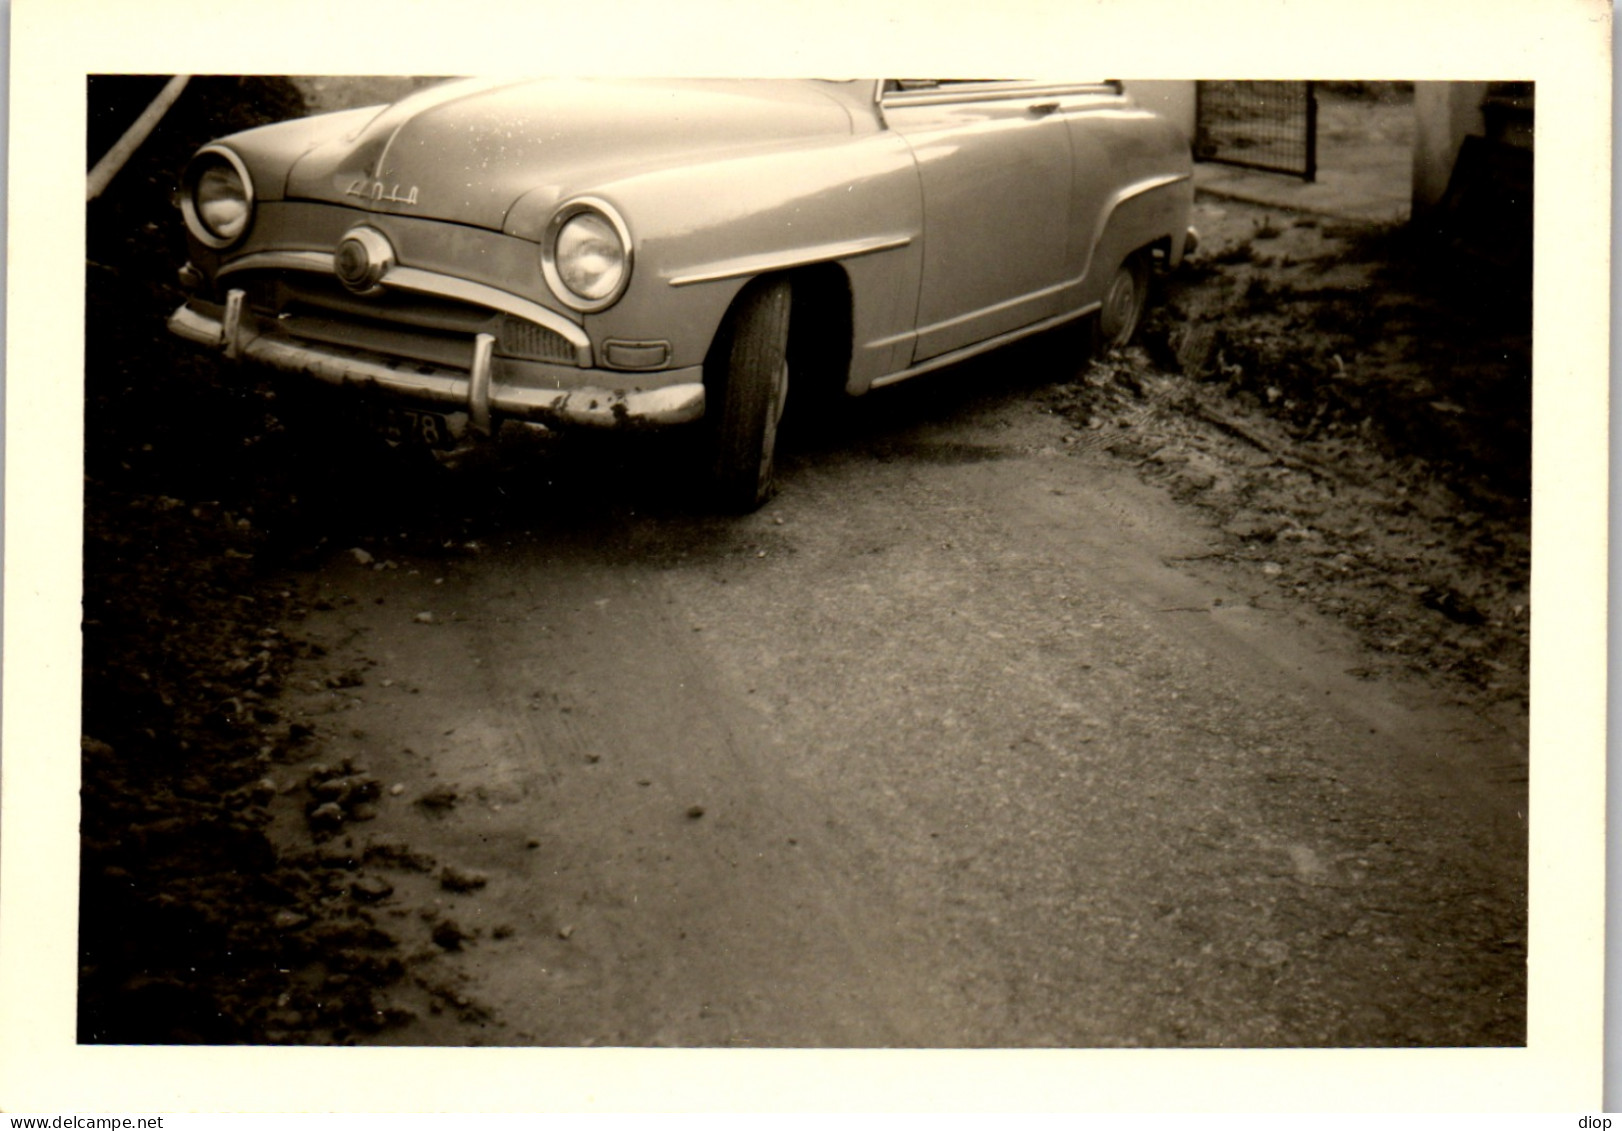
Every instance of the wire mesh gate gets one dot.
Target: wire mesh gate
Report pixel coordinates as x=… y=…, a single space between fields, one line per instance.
x=1259 y=125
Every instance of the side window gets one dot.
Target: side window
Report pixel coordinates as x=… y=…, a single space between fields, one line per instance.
x=969 y=89
x=893 y=86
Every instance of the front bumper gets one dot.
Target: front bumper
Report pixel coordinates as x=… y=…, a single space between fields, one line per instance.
x=492 y=388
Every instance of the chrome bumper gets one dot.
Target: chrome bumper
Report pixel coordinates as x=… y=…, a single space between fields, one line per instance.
x=472 y=391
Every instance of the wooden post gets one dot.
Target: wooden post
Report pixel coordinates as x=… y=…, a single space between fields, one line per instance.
x=113 y=160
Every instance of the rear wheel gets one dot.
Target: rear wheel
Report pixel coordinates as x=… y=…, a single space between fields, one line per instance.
x=746 y=380
x=1125 y=299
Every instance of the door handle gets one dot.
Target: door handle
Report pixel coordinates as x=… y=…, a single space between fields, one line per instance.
x=1042 y=109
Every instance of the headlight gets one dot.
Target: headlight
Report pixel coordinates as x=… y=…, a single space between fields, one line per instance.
x=586 y=255
x=217 y=197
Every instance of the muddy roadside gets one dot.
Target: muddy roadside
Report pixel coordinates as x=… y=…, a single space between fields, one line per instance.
x=187 y=912
x=1352 y=407
x=1349 y=419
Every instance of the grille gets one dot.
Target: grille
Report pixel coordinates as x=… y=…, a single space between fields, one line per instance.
x=417 y=326
x=519 y=337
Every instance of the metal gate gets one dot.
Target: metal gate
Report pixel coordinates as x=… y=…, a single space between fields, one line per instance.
x=1259 y=125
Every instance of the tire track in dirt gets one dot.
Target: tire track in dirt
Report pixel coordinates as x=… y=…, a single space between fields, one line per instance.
x=936 y=750
x=649 y=882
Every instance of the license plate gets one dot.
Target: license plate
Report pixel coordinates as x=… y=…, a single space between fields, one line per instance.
x=419 y=426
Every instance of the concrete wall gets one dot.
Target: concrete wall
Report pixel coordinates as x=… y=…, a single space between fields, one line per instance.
x=1171 y=98
x=1444 y=113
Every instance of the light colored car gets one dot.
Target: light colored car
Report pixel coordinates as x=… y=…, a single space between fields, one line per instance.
x=620 y=253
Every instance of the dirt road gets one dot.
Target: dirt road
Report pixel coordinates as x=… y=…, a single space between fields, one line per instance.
x=964 y=740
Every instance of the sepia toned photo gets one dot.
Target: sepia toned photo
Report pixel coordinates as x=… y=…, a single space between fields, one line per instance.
x=792 y=563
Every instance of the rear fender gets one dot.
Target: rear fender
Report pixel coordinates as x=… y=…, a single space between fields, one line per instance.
x=1151 y=218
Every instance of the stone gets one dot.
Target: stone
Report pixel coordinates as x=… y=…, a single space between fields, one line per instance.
x=449 y=935
x=441 y=797
x=452 y=878
x=328 y=817
x=370 y=889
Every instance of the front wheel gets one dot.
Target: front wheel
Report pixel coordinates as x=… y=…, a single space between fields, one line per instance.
x=747 y=384
x=1125 y=300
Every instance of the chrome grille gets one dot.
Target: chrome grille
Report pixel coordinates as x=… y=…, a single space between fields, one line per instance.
x=395 y=323
x=519 y=337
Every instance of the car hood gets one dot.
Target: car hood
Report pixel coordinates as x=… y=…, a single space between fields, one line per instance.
x=468 y=151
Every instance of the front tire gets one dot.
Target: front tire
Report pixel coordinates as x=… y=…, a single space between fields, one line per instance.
x=747 y=385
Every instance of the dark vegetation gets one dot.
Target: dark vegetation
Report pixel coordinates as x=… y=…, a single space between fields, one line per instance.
x=1426 y=354
x=1353 y=405
x=192 y=929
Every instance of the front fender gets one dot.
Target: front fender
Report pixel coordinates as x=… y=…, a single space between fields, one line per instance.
x=701 y=231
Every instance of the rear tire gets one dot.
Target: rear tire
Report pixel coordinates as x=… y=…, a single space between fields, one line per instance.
x=1125 y=300
x=746 y=379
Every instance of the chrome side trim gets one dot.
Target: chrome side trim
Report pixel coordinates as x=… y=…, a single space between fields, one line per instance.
x=782 y=260
x=1019 y=300
x=966 y=352
x=429 y=283
x=1143 y=186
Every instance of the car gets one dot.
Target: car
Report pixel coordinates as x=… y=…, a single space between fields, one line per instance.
x=622 y=253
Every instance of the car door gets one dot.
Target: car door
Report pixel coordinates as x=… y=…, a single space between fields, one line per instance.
x=995 y=168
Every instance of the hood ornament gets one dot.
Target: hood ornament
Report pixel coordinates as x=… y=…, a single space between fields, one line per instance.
x=378 y=192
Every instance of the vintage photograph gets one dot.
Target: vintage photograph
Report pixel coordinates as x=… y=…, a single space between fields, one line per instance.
x=826 y=563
